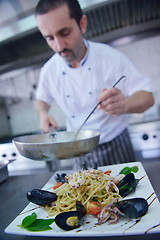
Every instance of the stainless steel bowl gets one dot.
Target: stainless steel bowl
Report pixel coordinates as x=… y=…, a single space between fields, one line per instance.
x=57 y=145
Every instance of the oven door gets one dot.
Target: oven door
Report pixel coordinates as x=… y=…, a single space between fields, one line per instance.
x=145 y=138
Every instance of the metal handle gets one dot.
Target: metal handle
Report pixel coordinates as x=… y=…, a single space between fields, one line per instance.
x=96 y=107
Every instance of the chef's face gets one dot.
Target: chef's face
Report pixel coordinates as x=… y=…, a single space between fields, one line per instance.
x=63 y=34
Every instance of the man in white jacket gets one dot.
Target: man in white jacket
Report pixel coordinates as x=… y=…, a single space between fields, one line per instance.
x=80 y=74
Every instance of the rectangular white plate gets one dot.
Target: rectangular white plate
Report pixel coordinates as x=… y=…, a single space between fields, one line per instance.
x=150 y=223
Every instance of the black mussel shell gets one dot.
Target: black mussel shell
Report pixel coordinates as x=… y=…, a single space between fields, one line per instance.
x=133 y=208
x=60 y=177
x=84 y=166
x=41 y=197
x=127 y=184
x=80 y=209
x=71 y=220
x=62 y=220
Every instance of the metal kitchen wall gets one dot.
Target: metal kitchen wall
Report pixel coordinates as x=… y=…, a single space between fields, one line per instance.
x=107 y=21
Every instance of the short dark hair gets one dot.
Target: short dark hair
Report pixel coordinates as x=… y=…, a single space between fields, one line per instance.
x=44 y=6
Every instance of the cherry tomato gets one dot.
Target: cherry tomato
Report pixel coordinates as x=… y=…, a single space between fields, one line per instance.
x=107 y=172
x=57 y=185
x=95 y=207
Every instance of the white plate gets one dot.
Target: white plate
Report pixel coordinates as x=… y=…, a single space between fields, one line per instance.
x=150 y=223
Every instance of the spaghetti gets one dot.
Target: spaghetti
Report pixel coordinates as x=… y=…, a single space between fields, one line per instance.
x=84 y=186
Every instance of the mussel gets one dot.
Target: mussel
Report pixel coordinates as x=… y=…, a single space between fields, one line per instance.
x=133 y=208
x=60 y=177
x=127 y=184
x=41 y=197
x=73 y=219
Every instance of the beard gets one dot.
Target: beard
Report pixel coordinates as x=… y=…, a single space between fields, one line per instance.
x=68 y=55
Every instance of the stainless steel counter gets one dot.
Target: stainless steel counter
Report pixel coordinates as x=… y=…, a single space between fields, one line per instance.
x=13 y=200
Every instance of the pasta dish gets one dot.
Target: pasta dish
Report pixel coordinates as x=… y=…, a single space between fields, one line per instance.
x=84 y=186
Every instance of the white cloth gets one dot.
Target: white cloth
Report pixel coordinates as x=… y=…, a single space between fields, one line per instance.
x=76 y=90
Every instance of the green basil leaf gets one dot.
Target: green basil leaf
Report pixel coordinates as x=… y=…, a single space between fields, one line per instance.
x=135 y=169
x=27 y=221
x=38 y=229
x=31 y=223
x=127 y=170
x=40 y=225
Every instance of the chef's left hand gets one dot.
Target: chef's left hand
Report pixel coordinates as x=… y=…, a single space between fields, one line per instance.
x=113 y=101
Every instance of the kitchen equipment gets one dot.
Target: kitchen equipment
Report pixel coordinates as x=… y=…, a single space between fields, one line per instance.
x=95 y=109
x=56 y=145
x=145 y=137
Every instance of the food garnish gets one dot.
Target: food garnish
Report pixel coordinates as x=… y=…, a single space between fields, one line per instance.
x=31 y=223
x=127 y=170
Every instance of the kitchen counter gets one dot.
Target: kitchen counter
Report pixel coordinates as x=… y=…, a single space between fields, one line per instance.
x=13 y=200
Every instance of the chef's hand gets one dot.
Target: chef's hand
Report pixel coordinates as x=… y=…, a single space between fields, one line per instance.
x=112 y=101
x=46 y=123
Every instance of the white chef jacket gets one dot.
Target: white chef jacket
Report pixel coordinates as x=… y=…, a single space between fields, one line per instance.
x=76 y=90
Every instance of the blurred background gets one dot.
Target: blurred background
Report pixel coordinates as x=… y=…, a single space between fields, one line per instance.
x=131 y=26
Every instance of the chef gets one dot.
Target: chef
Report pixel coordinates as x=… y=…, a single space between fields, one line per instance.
x=80 y=74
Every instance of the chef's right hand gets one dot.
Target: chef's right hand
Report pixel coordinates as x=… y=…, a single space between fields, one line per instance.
x=112 y=101
x=46 y=123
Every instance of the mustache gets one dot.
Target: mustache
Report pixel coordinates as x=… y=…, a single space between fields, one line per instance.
x=64 y=50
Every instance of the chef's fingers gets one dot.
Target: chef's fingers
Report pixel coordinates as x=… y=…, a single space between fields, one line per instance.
x=48 y=123
x=107 y=93
x=104 y=89
x=112 y=102
x=115 y=108
x=53 y=123
x=108 y=96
